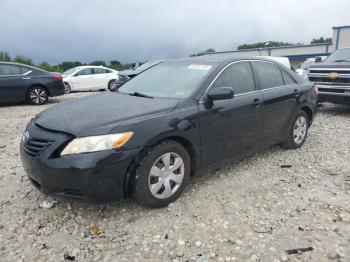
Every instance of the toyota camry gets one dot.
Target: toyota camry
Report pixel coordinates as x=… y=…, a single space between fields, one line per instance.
x=147 y=138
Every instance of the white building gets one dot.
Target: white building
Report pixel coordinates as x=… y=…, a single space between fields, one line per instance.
x=299 y=53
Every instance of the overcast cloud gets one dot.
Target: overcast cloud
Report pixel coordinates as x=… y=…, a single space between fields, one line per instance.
x=128 y=31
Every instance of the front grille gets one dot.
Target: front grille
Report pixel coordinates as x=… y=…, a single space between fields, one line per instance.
x=331 y=90
x=34 y=147
x=329 y=80
x=344 y=72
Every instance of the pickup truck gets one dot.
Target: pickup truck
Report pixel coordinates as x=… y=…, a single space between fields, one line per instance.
x=332 y=77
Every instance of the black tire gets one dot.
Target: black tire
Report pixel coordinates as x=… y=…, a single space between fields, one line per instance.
x=141 y=182
x=292 y=141
x=37 y=95
x=112 y=85
x=68 y=88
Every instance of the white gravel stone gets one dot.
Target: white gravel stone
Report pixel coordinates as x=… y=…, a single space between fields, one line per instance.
x=220 y=212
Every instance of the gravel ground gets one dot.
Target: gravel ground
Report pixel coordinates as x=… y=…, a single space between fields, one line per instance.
x=250 y=210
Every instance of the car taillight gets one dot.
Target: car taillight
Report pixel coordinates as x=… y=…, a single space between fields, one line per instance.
x=57 y=77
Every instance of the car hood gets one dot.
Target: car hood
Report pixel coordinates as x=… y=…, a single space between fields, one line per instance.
x=331 y=65
x=99 y=114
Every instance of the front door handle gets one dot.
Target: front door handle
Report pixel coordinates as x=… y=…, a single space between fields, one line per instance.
x=25 y=78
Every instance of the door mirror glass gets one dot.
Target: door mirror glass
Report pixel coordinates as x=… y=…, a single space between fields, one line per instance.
x=220 y=93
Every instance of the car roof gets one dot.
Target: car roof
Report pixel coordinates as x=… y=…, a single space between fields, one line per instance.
x=221 y=59
x=19 y=64
x=90 y=66
x=24 y=65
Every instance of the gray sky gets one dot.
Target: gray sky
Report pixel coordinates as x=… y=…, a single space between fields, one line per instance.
x=127 y=30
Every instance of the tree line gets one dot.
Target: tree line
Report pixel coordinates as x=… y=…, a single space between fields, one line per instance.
x=321 y=40
x=114 y=64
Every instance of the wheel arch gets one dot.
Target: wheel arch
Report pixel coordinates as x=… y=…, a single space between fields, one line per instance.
x=38 y=84
x=309 y=113
x=195 y=163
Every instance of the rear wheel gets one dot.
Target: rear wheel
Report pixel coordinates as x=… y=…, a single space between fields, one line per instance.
x=37 y=95
x=162 y=175
x=112 y=85
x=68 y=88
x=297 y=131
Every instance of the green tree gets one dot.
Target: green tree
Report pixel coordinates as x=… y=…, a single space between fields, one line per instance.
x=23 y=60
x=209 y=50
x=265 y=45
x=51 y=68
x=68 y=65
x=321 y=40
x=98 y=63
x=5 y=57
x=116 y=65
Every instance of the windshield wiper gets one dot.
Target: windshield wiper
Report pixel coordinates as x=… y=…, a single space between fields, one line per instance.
x=140 y=95
x=341 y=60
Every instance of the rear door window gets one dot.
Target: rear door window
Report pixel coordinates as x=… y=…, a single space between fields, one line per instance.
x=239 y=76
x=268 y=74
x=25 y=70
x=101 y=71
x=85 y=71
x=8 y=70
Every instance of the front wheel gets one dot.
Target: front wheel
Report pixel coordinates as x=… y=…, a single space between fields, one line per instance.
x=37 y=95
x=297 y=131
x=162 y=175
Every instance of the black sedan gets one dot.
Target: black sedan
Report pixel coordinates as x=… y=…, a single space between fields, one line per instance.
x=20 y=82
x=163 y=125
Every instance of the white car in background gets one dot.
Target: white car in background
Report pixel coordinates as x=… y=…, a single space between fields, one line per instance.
x=89 y=78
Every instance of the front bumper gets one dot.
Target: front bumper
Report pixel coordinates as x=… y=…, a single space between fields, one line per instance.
x=334 y=94
x=95 y=176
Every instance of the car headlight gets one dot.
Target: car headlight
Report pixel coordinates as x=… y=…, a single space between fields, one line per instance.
x=96 y=143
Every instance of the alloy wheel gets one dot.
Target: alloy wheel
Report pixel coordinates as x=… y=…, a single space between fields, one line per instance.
x=166 y=175
x=300 y=129
x=38 y=96
x=112 y=85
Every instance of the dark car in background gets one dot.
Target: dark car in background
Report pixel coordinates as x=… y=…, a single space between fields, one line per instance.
x=126 y=75
x=19 y=82
x=164 y=124
x=332 y=77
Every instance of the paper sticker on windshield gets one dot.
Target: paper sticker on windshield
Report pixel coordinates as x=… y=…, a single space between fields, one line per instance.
x=199 y=67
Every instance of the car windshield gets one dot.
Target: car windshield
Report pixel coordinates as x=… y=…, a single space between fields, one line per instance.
x=168 y=80
x=341 y=55
x=70 y=71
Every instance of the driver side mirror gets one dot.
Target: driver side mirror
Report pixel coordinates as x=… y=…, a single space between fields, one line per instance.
x=220 y=93
x=318 y=59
